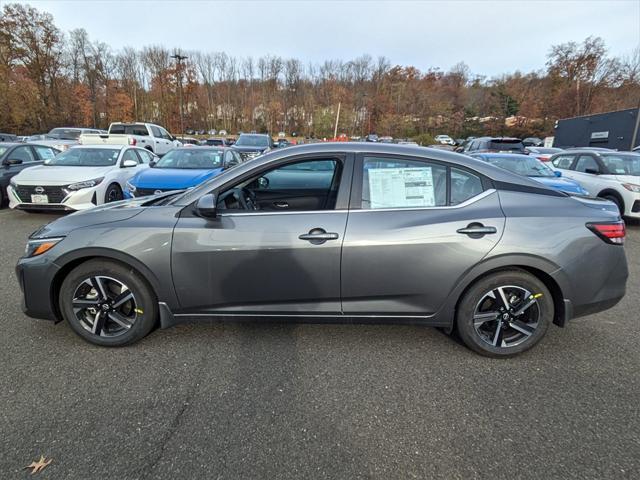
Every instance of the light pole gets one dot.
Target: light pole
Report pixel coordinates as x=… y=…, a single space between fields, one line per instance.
x=179 y=58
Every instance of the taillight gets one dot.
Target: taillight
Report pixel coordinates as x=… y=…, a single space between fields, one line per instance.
x=610 y=232
x=133 y=141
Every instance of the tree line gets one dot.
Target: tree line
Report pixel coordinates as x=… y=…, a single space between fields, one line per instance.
x=51 y=78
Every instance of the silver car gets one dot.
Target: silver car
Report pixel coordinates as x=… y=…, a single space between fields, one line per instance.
x=364 y=232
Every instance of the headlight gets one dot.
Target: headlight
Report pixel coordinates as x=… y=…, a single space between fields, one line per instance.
x=40 y=246
x=632 y=187
x=130 y=187
x=85 y=184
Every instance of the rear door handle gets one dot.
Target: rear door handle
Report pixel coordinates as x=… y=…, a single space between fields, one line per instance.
x=318 y=236
x=477 y=230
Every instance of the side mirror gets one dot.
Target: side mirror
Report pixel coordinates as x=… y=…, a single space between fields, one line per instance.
x=592 y=171
x=557 y=173
x=12 y=161
x=129 y=164
x=206 y=206
x=152 y=163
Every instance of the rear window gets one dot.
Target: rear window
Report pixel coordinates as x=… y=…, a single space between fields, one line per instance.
x=129 y=130
x=506 y=145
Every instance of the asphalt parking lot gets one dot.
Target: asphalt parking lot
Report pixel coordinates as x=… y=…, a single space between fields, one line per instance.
x=251 y=400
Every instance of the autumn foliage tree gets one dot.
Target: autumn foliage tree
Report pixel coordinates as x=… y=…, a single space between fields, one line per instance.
x=51 y=78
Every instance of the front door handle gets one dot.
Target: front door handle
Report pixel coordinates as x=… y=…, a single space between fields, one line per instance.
x=477 y=230
x=318 y=236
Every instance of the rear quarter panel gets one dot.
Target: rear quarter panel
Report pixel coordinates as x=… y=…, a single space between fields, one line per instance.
x=554 y=229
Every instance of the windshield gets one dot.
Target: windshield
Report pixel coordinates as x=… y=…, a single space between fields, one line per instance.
x=622 y=163
x=64 y=134
x=201 y=158
x=253 y=141
x=522 y=165
x=86 y=157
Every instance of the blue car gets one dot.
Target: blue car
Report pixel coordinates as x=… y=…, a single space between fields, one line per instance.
x=180 y=169
x=533 y=168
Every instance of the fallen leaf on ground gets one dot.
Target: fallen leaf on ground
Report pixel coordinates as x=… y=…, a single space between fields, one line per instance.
x=39 y=465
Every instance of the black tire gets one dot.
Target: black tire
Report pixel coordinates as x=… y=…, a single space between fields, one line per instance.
x=509 y=335
x=2 y=199
x=143 y=307
x=617 y=201
x=113 y=193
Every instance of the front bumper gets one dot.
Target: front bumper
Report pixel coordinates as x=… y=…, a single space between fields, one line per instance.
x=35 y=276
x=75 y=200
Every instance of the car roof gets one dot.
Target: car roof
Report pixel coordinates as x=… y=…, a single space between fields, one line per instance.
x=498 y=138
x=195 y=148
x=105 y=147
x=514 y=156
x=11 y=144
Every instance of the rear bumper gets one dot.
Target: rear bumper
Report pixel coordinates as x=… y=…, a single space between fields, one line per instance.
x=600 y=289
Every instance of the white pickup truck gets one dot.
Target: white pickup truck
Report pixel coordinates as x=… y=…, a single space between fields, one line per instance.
x=144 y=135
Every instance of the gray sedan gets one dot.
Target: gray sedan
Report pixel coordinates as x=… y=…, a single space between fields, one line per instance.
x=362 y=232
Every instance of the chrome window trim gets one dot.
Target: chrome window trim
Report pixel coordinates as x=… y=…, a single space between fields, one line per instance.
x=467 y=202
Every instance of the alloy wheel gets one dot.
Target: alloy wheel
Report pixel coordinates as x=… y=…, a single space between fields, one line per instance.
x=506 y=316
x=104 y=306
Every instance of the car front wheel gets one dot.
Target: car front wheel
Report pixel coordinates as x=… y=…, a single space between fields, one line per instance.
x=504 y=314
x=108 y=303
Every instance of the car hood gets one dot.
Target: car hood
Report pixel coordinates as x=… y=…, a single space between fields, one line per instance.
x=174 y=178
x=107 y=213
x=563 y=184
x=635 y=179
x=59 y=175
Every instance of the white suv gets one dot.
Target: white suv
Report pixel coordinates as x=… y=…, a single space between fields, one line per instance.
x=606 y=174
x=79 y=178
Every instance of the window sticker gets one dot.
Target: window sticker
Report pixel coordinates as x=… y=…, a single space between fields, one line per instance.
x=46 y=153
x=401 y=187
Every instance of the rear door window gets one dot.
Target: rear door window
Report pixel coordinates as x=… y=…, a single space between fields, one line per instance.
x=44 y=153
x=398 y=183
x=464 y=185
x=563 y=161
x=586 y=162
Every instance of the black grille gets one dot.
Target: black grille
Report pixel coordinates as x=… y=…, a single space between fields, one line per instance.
x=145 y=192
x=55 y=194
x=636 y=206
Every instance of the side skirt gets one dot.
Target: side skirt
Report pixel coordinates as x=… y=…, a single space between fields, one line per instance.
x=169 y=319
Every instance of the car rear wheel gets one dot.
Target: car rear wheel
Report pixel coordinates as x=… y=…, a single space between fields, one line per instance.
x=504 y=314
x=107 y=303
x=113 y=193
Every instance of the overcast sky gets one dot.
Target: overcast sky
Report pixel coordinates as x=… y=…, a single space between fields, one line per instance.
x=492 y=37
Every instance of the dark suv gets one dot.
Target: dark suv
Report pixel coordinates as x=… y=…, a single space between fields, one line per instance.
x=495 y=145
